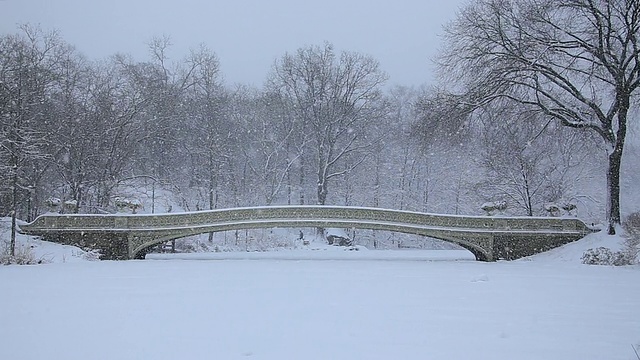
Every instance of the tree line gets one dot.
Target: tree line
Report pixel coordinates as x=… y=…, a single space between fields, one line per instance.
x=326 y=128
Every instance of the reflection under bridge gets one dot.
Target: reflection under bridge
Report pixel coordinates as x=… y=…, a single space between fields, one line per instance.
x=130 y=236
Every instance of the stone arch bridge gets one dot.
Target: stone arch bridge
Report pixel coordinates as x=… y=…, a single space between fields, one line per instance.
x=130 y=236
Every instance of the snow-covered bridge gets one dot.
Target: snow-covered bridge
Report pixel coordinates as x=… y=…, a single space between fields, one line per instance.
x=124 y=236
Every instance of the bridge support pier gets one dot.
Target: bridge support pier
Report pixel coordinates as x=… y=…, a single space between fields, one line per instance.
x=135 y=245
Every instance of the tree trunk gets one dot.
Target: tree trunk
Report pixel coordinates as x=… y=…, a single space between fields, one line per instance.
x=212 y=193
x=322 y=192
x=615 y=160
x=289 y=185
x=14 y=207
x=301 y=179
x=527 y=194
x=376 y=184
x=613 y=188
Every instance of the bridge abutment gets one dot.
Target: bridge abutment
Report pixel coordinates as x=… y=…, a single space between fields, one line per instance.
x=515 y=246
x=112 y=246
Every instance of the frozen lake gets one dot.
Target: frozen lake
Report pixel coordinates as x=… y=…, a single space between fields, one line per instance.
x=283 y=308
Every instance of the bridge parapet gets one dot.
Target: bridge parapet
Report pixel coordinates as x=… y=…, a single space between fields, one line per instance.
x=151 y=221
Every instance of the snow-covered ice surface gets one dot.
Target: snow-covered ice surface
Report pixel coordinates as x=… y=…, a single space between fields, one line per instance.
x=324 y=252
x=547 y=306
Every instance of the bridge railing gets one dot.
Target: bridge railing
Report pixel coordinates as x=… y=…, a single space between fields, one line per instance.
x=124 y=222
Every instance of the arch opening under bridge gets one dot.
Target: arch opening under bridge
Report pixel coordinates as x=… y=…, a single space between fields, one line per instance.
x=143 y=248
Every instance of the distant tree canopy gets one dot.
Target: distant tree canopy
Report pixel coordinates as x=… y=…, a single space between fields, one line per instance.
x=324 y=128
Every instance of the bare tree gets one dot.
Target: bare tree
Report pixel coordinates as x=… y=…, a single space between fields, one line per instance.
x=28 y=68
x=114 y=119
x=161 y=84
x=272 y=147
x=208 y=131
x=335 y=99
x=576 y=61
x=77 y=134
x=292 y=142
x=441 y=117
x=531 y=163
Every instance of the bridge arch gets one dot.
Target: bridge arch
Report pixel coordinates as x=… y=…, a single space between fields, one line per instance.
x=145 y=243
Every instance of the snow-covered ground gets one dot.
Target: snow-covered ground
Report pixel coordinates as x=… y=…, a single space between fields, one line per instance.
x=288 y=305
x=316 y=251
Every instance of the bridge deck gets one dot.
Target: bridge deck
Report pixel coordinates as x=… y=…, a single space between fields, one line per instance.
x=267 y=223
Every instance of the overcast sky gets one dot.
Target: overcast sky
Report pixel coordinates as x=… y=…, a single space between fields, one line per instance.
x=248 y=35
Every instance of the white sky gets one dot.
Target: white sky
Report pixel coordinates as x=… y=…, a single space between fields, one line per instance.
x=248 y=35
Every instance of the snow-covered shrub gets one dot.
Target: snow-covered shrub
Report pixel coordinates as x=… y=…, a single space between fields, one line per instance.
x=492 y=207
x=134 y=205
x=604 y=256
x=598 y=256
x=569 y=207
x=91 y=255
x=193 y=244
x=552 y=208
x=188 y=246
x=562 y=208
x=628 y=255
x=23 y=256
x=53 y=203
x=122 y=204
x=632 y=237
x=622 y=258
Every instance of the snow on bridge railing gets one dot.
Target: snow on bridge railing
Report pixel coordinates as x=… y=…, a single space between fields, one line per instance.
x=308 y=212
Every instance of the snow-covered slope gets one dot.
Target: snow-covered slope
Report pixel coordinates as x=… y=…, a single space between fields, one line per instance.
x=572 y=252
x=40 y=251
